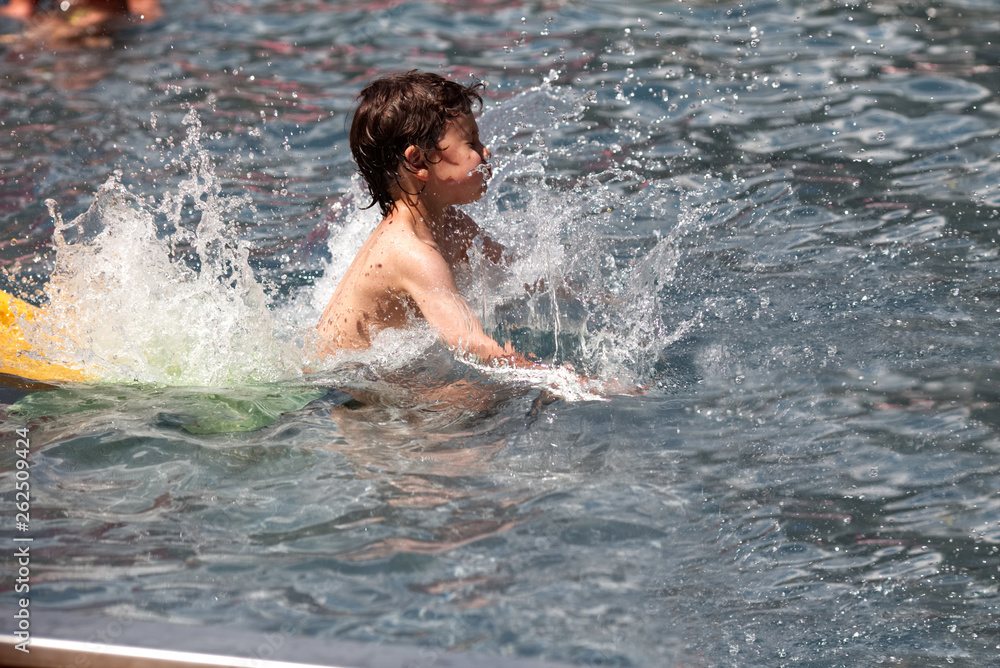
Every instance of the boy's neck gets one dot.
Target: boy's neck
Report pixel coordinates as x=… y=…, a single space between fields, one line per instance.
x=434 y=219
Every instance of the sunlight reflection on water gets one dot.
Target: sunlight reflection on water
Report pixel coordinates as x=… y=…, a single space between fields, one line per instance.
x=780 y=217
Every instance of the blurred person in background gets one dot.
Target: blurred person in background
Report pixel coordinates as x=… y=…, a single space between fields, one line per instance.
x=84 y=22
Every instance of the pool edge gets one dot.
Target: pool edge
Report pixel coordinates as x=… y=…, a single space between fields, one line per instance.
x=66 y=640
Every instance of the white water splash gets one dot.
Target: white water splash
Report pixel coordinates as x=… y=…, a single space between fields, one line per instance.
x=138 y=295
x=131 y=302
x=600 y=313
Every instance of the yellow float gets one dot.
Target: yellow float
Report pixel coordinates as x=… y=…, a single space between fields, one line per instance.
x=16 y=355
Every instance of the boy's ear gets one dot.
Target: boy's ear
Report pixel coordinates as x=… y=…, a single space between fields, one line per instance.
x=416 y=164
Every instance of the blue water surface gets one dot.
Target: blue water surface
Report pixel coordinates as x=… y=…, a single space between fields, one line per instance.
x=778 y=217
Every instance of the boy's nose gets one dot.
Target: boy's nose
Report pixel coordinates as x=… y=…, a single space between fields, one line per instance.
x=486 y=155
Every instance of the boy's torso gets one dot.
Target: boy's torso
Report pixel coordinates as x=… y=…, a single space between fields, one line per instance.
x=370 y=296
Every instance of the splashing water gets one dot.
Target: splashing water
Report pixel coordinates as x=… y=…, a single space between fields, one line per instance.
x=603 y=304
x=576 y=291
x=130 y=303
x=136 y=295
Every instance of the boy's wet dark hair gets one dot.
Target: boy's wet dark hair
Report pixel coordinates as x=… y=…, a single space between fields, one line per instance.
x=398 y=111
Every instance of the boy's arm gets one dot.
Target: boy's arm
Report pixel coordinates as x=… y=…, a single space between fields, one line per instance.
x=494 y=251
x=469 y=230
x=428 y=279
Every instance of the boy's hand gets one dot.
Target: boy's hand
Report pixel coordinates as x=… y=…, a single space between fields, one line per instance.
x=615 y=386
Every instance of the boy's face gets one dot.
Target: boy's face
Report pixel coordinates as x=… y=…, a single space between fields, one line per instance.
x=459 y=170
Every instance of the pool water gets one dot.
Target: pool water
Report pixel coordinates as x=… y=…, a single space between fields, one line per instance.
x=773 y=224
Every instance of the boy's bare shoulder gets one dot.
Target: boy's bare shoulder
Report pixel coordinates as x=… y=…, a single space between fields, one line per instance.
x=404 y=249
x=400 y=237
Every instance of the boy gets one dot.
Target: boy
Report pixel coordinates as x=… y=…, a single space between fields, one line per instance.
x=418 y=148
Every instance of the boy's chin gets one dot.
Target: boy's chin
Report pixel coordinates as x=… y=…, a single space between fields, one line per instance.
x=473 y=198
